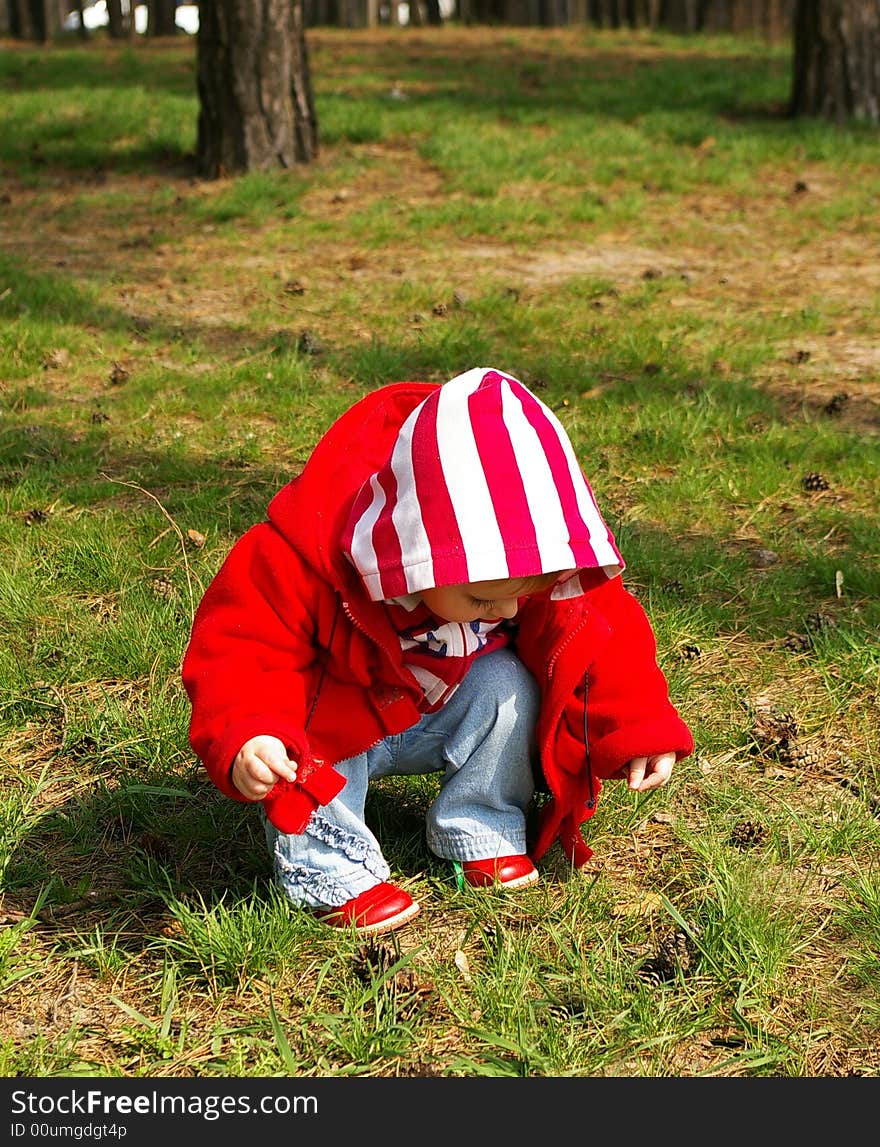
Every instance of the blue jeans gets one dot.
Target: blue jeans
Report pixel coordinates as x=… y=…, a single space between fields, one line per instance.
x=482 y=740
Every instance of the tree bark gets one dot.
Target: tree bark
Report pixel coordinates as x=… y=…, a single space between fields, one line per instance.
x=120 y=17
x=82 y=30
x=836 y=67
x=20 y=20
x=161 y=17
x=255 y=92
x=681 y=16
x=34 y=19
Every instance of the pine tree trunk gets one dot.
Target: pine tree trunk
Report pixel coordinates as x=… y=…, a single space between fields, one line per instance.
x=255 y=93
x=34 y=19
x=161 y=17
x=20 y=19
x=118 y=20
x=837 y=60
x=680 y=16
x=82 y=30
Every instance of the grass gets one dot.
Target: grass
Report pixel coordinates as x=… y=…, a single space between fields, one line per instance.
x=630 y=224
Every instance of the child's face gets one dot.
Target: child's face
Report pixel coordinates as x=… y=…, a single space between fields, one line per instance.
x=483 y=600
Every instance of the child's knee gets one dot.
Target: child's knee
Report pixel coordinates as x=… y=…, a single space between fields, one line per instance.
x=502 y=677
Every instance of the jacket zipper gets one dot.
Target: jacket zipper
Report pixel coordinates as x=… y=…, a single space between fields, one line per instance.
x=340 y=604
x=345 y=608
x=323 y=671
x=591 y=803
x=559 y=648
x=388 y=650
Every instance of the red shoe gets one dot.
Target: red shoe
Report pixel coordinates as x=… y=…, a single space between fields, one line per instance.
x=509 y=871
x=379 y=909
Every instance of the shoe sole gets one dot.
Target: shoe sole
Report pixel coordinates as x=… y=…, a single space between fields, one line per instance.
x=511 y=885
x=389 y=925
x=392 y=923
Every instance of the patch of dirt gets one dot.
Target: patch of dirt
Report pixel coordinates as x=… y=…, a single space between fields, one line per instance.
x=211 y=284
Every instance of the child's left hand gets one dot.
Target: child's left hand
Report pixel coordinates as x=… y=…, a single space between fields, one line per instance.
x=645 y=773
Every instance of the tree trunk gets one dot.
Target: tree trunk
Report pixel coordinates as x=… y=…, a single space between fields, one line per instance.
x=82 y=30
x=836 y=68
x=120 y=19
x=681 y=16
x=20 y=20
x=33 y=19
x=255 y=92
x=161 y=17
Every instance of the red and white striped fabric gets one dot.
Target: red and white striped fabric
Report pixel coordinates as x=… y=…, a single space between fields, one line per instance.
x=439 y=653
x=482 y=484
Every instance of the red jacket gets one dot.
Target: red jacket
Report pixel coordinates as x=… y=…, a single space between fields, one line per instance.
x=287 y=642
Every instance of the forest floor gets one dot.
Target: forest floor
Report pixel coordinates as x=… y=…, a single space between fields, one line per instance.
x=137 y=283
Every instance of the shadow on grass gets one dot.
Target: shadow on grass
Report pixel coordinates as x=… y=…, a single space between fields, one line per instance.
x=117 y=856
x=497 y=75
x=166 y=67
x=718 y=580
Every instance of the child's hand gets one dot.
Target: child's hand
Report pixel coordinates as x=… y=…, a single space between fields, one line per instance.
x=261 y=762
x=645 y=773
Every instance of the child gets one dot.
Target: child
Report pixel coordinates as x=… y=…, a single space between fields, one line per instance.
x=436 y=592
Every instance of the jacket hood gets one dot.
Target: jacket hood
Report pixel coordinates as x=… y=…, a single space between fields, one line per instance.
x=481 y=483
x=311 y=511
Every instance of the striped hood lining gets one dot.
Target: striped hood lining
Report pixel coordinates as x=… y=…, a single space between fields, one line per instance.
x=482 y=484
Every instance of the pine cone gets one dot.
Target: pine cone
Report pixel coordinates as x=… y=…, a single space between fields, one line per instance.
x=836 y=403
x=675 y=953
x=801 y=754
x=673 y=587
x=816 y=622
x=746 y=834
x=772 y=729
x=309 y=343
x=371 y=961
x=814 y=481
x=764 y=558
x=164 y=588
x=797 y=643
x=118 y=374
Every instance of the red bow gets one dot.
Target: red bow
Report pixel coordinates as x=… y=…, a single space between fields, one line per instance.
x=290 y=804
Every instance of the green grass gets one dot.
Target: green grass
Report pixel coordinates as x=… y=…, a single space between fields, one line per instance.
x=631 y=225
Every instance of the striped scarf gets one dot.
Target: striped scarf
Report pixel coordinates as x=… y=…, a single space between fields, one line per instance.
x=439 y=653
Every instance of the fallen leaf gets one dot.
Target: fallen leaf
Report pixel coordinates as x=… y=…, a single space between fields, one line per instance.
x=13 y=916
x=56 y=359
x=642 y=905
x=461 y=962
x=196 y=538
